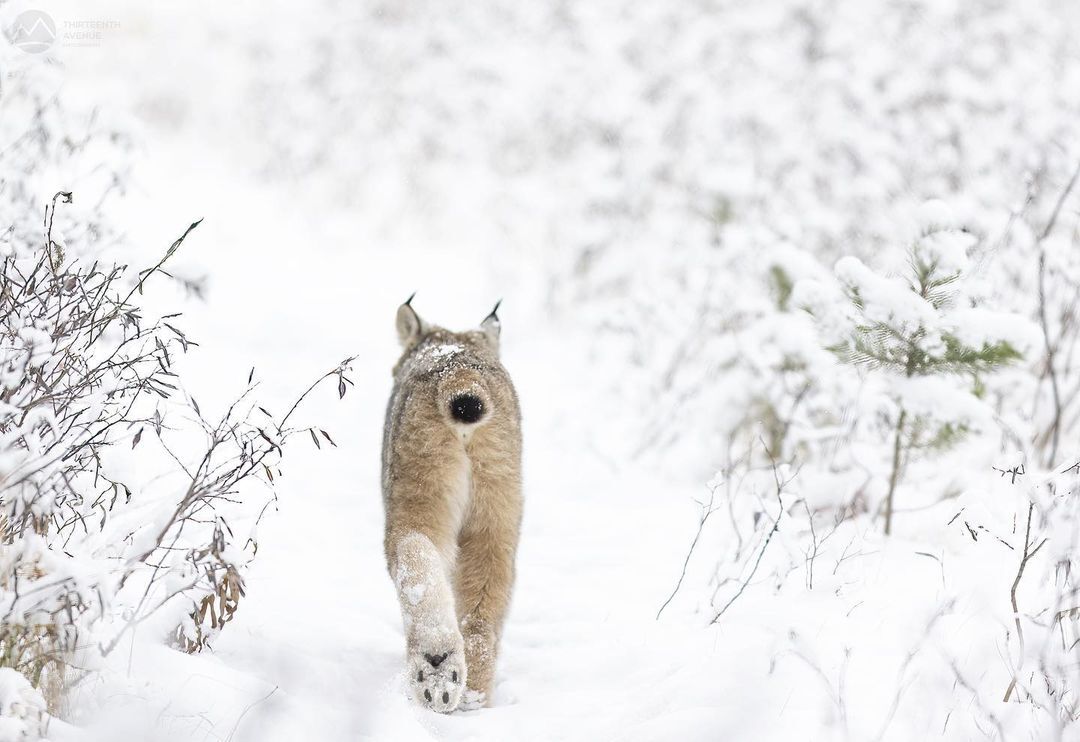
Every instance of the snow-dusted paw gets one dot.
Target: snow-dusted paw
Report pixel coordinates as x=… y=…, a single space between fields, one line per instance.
x=437 y=676
x=471 y=700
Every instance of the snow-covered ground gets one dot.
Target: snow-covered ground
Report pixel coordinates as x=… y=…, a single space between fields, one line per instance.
x=565 y=161
x=316 y=652
x=317 y=649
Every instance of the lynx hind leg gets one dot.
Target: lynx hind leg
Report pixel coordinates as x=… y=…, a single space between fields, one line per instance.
x=481 y=651
x=435 y=652
x=484 y=581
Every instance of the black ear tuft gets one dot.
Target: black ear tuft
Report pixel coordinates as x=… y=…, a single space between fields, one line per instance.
x=409 y=325
x=491 y=325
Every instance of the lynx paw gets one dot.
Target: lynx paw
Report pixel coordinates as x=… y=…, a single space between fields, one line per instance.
x=437 y=676
x=471 y=700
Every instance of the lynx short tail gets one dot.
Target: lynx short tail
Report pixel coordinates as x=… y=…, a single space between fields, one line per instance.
x=464 y=397
x=467 y=408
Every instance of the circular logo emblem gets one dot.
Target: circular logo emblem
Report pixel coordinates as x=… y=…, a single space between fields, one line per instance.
x=34 y=31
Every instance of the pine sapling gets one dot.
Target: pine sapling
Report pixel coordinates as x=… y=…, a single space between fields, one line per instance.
x=923 y=329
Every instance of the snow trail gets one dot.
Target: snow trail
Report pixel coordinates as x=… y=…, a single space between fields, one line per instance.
x=316 y=649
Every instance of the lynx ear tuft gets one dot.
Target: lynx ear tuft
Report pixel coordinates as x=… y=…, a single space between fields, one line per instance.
x=492 y=326
x=409 y=325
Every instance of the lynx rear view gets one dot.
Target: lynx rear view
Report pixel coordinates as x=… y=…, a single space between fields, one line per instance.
x=451 y=479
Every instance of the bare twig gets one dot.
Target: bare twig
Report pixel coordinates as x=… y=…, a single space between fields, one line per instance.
x=1026 y=556
x=816 y=543
x=50 y=214
x=248 y=708
x=1044 y=323
x=706 y=511
x=894 y=474
x=768 y=537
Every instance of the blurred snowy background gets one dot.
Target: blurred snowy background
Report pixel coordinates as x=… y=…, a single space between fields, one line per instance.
x=777 y=277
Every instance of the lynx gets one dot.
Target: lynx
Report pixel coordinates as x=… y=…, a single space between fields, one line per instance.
x=451 y=479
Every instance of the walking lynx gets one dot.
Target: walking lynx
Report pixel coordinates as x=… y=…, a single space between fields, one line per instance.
x=451 y=479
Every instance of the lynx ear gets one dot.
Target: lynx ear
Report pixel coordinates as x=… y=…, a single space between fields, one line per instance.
x=409 y=325
x=491 y=325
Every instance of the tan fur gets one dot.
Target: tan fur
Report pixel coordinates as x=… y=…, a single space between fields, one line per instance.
x=452 y=493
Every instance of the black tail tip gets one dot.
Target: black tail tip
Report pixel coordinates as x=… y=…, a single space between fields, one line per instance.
x=466 y=408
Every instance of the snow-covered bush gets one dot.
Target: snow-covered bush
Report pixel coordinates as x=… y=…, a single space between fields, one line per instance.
x=810 y=125
x=924 y=342
x=901 y=384
x=656 y=161
x=86 y=557
x=90 y=394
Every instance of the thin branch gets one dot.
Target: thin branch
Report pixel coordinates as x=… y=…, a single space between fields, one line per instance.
x=768 y=537
x=1044 y=323
x=1026 y=556
x=706 y=511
